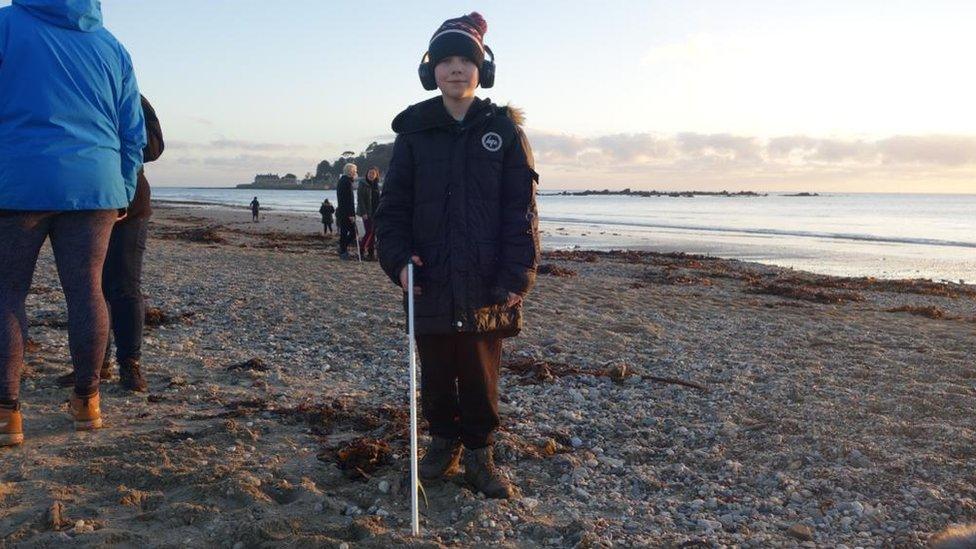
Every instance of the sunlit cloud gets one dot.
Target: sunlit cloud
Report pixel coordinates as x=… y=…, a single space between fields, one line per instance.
x=233 y=145
x=734 y=161
x=644 y=160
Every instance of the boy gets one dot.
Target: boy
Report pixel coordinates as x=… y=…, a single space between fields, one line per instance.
x=459 y=202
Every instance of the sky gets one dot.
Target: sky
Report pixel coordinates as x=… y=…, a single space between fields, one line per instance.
x=866 y=96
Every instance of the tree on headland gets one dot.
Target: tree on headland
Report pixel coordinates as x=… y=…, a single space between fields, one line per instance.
x=323 y=168
x=376 y=154
x=328 y=172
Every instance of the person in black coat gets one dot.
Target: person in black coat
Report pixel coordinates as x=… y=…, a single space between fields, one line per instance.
x=459 y=203
x=346 y=210
x=255 y=210
x=122 y=273
x=326 y=210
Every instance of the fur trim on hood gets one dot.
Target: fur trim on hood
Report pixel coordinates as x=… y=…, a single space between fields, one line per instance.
x=516 y=114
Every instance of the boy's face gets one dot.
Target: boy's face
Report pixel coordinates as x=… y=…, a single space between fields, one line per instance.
x=457 y=77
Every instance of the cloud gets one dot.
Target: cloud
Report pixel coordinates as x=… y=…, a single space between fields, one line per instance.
x=250 y=145
x=232 y=145
x=706 y=161
x=804 y=148
x=737 y=160
x=937 y=150
x=646 y=148
x=636 y=147
x=223 y=170
x=724 y=145
x=225 y=161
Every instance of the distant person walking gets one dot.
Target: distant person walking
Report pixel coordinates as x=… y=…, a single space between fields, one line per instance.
x=326 y=210
x=367 y=201
x=122 y=274
x=255 y=210
x=470 y=227
x=72 y=134
x=346 y=210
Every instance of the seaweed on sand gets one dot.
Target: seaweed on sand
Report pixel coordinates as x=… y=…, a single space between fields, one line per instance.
x=555 y=270
x=785 y=289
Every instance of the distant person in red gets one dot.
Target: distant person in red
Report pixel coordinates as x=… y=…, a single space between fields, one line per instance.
x=367 y=200
x=255 y=210
x=122 y=274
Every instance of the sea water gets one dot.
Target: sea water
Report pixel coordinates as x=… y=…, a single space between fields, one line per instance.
x=883 y=235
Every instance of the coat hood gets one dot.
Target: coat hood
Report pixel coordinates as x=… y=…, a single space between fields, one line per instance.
x=432 y=114
x=82 y=15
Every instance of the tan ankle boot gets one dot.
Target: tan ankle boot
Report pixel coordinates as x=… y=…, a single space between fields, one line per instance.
x=481 y=473
x=441 y=458
x=86 y=411
x=11 y=427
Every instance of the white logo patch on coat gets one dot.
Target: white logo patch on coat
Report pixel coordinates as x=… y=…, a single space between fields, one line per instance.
x=492 y=141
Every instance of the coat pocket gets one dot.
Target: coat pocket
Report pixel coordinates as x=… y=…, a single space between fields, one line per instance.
x=434 y=281
x=487 y=272
x=488 y=259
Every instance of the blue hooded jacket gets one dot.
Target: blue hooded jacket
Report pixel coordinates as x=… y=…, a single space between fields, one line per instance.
x=71 y=123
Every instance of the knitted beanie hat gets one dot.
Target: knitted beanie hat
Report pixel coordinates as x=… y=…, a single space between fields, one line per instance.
x=463 y=36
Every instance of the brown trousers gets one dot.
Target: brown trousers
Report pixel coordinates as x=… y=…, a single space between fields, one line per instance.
x=459 y=386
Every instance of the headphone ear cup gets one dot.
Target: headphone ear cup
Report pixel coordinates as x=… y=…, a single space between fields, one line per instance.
x=486 y=76
x=427 y=79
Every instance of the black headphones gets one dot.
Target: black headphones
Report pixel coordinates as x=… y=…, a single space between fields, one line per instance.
x=486 y=73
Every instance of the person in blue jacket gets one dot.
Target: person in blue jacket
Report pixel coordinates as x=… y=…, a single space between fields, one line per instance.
x=72 y=133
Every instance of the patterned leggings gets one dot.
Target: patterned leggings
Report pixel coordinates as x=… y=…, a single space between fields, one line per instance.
x=79 y=240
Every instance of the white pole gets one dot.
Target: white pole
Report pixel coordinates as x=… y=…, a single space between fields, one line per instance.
x=414 y=481
x=355 y=230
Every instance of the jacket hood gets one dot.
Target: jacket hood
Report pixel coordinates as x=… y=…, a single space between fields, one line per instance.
x=432 y=114
x=82 y=15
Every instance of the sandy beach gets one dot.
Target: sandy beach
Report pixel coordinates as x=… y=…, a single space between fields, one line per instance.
x=652 y=400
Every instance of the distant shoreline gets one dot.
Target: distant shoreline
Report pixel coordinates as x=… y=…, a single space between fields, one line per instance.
x=671 y=194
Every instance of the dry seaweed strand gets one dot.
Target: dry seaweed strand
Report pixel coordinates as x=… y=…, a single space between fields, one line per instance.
x=539 y=371
x=804 y=293
x=555 y=270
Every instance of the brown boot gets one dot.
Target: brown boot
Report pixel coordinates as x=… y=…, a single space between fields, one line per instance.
x=86 y=412
x=130 y=376
x=481 y=473
x=441 y=458
x=11 y=426
x=105 y=374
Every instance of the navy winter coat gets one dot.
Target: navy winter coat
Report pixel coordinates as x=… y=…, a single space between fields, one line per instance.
x=346 y=203
x=461 y=196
